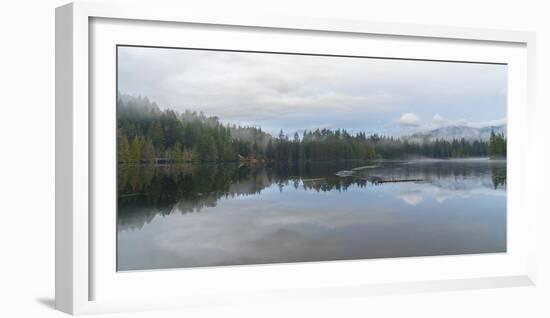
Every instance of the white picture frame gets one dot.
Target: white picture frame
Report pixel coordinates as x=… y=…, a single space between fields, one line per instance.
x=78 y=253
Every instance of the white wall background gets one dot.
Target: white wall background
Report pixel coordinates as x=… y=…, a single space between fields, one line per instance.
x=27 y=158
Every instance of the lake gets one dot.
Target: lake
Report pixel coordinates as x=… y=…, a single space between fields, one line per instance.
x=191 y=215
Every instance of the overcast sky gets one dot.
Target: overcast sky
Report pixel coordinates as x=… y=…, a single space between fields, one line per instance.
x=297 y=92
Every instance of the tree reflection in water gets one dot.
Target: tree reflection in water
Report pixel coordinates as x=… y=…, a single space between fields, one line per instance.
x=146 y=191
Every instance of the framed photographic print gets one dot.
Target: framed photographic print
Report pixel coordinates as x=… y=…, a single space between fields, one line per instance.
x=279 y=158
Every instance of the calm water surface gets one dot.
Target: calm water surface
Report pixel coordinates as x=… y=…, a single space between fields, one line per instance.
x=209 y=215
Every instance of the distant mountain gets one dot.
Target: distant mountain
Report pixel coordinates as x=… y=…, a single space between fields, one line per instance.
x=457 y=132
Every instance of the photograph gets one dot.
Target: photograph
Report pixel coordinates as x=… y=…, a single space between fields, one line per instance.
x=229 y=157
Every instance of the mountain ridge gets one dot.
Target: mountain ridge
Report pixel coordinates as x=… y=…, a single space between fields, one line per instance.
x=457 y=132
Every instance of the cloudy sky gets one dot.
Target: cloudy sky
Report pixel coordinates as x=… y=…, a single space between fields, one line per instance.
x=297 y=92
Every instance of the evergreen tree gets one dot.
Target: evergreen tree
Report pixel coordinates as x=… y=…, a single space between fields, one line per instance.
x=135 y=150
x=147 y=151
x=124 y=153
x=177 y=152
x=156 y=134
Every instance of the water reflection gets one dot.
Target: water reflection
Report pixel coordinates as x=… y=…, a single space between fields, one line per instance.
x=284 y=213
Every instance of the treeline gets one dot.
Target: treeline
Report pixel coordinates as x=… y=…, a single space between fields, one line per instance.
x=147 y=134
x=326 y=144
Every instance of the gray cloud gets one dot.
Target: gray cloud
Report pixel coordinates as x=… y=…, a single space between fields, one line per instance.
x=438 y=119
x=294 y=91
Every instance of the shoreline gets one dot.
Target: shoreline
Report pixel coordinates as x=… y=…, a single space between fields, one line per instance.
x=271 y=163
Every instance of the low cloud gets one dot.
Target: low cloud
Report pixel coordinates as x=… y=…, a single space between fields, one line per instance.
x=487 y=123
x=410 y=120
x=439 y=120
x=468 y=123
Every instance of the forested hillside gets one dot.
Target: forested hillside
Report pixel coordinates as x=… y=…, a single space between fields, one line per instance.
x=147 y=134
